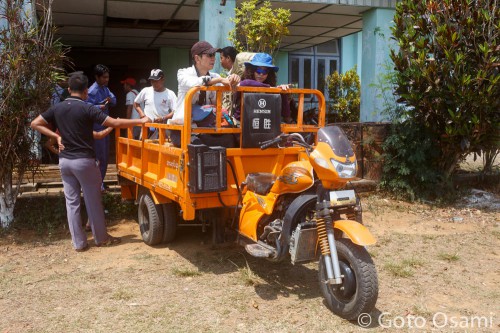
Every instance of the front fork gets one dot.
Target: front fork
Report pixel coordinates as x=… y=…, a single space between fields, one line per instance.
x=326 y=241
x=326 y=237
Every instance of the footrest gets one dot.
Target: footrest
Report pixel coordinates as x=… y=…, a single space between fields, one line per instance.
x=259 y=251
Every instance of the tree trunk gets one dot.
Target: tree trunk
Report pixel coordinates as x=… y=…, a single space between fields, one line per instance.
x=449 y=164
x=489 y=157
x=8 y=197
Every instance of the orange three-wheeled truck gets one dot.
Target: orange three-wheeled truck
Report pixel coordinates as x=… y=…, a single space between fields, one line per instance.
x=280 y=189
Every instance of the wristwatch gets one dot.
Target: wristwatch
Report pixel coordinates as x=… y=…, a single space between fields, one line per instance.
x=206 y=80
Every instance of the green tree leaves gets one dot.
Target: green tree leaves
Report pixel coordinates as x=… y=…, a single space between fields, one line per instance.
x=447 y=73
x=30 y=64
x=344 y=91
x=259 y=29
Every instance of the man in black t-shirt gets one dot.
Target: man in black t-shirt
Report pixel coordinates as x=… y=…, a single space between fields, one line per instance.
x=74 y=119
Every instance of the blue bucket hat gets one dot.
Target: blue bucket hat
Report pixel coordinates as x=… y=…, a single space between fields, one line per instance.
x=262 y=60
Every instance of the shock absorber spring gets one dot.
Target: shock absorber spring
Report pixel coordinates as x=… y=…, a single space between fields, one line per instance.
x=322 y=235
x=327 y=243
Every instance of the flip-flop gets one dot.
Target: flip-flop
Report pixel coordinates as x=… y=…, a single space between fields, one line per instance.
x=110 y=241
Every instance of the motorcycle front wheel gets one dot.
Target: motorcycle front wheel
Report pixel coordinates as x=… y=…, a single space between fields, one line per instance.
x=359 y=289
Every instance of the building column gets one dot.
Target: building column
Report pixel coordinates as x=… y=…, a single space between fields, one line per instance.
x=281 y=60
x=376 y=61
x=215 y=24
x=350 y=49
x=171 y=60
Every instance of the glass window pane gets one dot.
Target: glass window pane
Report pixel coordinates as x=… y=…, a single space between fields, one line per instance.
x=307 y=74
x=307 y=50
x=330 y=47
x=295 y=71
x=321 y=76
x=333 y=66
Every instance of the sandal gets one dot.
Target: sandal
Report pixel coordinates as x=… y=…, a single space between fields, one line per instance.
x=83 y=249
x=110 y=242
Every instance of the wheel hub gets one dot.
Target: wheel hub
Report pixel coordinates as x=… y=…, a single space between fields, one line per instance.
x=346 y=290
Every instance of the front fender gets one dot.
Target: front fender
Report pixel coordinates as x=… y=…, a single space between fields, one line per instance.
x=356 y=232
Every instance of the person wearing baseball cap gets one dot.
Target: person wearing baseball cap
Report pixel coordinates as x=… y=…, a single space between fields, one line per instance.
x=156 y=102
x=130 y=81
x=203 y=55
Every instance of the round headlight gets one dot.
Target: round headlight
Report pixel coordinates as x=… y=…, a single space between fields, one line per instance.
x=345 y=170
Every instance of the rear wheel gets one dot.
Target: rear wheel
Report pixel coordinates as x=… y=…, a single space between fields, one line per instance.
x=359 y=289
x=150 y=220
x=169 y=222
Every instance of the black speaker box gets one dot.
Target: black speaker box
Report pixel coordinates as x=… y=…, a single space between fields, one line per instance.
x=207 y=169
x=261 y=118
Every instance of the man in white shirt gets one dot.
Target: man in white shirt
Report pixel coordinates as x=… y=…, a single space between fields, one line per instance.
x=159 y=102
x=129 y=87
x=203 y=54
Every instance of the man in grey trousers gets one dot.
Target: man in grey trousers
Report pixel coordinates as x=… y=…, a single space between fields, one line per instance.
x=74 y=119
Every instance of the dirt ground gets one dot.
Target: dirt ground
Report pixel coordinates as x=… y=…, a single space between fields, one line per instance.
x=438 y=271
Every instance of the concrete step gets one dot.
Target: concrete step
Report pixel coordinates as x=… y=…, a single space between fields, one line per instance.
x=47 y=181
x=58 y=191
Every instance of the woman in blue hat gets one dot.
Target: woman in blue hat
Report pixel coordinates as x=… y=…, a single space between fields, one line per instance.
x=260 y=72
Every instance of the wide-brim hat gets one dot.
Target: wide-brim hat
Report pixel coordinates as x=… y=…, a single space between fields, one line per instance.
x=262 y=60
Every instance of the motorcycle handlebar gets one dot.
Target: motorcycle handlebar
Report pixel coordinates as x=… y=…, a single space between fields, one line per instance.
x=269 y=143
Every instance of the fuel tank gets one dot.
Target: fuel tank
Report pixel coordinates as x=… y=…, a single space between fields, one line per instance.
x=295 y=177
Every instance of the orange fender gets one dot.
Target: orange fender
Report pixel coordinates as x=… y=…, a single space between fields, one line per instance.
x=356 y=232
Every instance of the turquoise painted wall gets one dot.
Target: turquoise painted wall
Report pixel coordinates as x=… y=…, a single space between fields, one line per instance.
x=171 y=59
x=350 y=52
x=375 y=61
x=281 y=60
x=215 y=24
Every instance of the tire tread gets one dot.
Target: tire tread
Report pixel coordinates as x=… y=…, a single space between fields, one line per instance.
x=154 y=217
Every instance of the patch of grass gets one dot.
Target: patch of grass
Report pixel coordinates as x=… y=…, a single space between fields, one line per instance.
x=122 y=295
x=405 y=268
x=248 y=276
x=44 y=214
x=373 y=205
x=47 y=214
x=143 y=256
x=399 y=270
x=413 y=262
x=383 y=241
x=492 y=294
x=117 y=207
x=373 y=253
x=421 y=311
x=449 y=257
x=185 y=272
x=429 y=237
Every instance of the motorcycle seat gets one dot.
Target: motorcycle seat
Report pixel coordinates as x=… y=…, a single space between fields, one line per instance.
x=260 y=182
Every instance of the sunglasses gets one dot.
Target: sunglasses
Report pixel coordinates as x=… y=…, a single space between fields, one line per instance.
x=262 y=71
x=210 y=55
